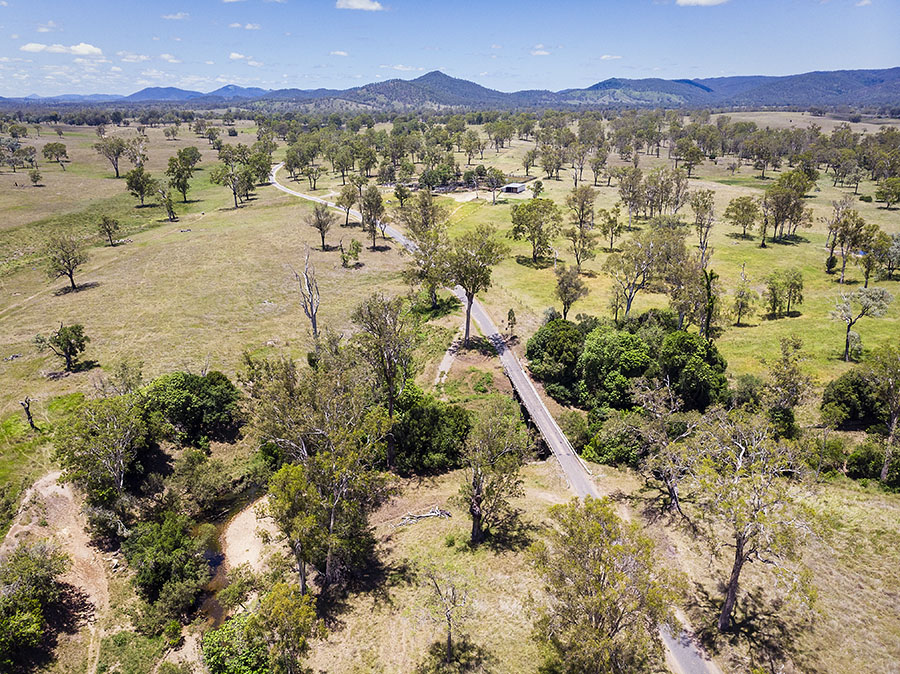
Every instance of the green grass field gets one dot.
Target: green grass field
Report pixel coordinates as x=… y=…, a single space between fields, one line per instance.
x=219 y=282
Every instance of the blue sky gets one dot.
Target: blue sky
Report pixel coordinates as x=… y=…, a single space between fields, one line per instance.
x=119 y=46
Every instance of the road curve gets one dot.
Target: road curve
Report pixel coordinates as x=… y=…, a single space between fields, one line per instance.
x=683 y=652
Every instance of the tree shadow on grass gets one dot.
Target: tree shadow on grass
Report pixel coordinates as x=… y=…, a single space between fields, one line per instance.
x=467 y=657
x=767 y=628
x=480 y=344
x=375 y=578
x=80 y=366
x=527 y=261
x=512 y=535
x=739 y=236
x=73 y=610
x=78 y=288
x=445 y=306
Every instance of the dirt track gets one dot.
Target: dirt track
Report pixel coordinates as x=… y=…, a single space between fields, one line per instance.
x=51 y=510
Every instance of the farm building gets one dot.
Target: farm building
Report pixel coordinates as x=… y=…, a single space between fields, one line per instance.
x=514 y=188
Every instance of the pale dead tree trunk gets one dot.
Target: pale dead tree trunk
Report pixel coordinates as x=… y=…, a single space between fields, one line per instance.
x=448 y=604
x=309 y=296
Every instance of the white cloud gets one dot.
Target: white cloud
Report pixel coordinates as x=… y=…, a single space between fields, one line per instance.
x=48 y=27
x=610 y=57
x=130 y=57
x=169 y=57
x=253 y=63
x=235 y=56
x=228 y=1
x=400 y=67
x=178 y=16
x=80 y=49
x=85 y=49
x=3 y=3
x=864 y=3
x=338 y=52
x=210 y=63
x=365 y=5
x=699 y=3
x=538 y=50
x=245 y=26
x=496 y=46
x=116 y=69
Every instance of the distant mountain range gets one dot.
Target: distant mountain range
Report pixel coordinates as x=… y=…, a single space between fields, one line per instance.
x=435 y=90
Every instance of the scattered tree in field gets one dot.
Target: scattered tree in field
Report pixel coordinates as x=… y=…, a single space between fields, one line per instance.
x=607 y=600
x=786 y=386
x=402 y=193
x=851 y=234
x=387 y=341
x=495 y=179
x=495 y=450
x=793 y=289
x=537 y=188
x=643 y=260
x=65 y=255
x=112 y=148
x=234 y=171
x=140 y=183
x=742 y=486
x=180 y=171
x=164 y=199
x=569 y=287
x=857 y=304
x=346 y=200
x=743 y=212
x=321 y=219
x=56 y=152
x=580 y=202
x=447 y=604
x=469 y=264
x=703 y=204
x=610 y=226
x=67 y=343
x=631 y=190
x=108 y=228
x=351 y=254
x=312 y=173
x=35 y=177
x=426 y=222
x=888 y=191
x=372 y=209
x=537 y=221
x=309 y=295
x=784 y=289
x=874 y=256
x=689 y=153
x=529 y=159
x=745 y=297
x=883 y=373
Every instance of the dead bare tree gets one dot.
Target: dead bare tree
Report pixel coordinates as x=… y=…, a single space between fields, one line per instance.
x=448 y=604
x=309 y=295
x=26 y=405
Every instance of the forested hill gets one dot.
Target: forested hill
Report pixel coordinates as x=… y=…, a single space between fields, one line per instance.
x=437 y=90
